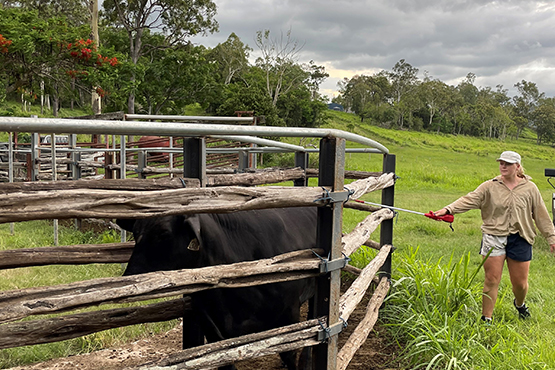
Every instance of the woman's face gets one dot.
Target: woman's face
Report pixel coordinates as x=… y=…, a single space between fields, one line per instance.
x=508 y=169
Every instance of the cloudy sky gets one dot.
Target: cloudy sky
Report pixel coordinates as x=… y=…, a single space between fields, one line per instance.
x=501 y=42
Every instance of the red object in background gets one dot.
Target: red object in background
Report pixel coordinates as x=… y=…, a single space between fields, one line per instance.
x=155 y=142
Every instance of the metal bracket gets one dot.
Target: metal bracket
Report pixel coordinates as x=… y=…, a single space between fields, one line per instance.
x=339 y=196
x=334 y=196
x=326 y=333
x=327 y=266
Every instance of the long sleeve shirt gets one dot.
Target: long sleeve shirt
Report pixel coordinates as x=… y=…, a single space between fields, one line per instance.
x=506 y=211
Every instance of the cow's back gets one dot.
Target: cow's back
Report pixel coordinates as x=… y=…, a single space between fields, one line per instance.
x=251 y=235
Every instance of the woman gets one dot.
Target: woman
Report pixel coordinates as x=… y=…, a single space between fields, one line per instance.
x=509 y=203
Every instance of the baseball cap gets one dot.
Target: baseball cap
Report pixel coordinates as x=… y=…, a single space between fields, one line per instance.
x=509 y=157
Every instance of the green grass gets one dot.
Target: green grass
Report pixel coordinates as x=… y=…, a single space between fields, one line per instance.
x=433 y=310
x=434 y=307
x=36 y=234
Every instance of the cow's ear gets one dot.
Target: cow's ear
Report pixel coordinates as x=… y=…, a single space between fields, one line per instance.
x=126 y=224
x=192 y=223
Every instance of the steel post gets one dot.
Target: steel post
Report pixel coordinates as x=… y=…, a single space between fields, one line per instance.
x=194 y=159
x=243 y=161
x=194 y=166
x=326 y=301
x=301 y=160
x=386 y=227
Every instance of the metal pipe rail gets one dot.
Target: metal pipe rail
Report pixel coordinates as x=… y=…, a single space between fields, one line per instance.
x=208 y=150
x=49 y=125
x=189 y=119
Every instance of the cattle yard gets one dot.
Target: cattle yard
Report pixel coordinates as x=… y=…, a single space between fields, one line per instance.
x=197 y=190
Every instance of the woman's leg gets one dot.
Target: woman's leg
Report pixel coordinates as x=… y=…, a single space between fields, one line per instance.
x=493 y=268
x=518 y=271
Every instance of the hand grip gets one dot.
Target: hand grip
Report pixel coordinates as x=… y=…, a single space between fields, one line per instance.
x=444 y=218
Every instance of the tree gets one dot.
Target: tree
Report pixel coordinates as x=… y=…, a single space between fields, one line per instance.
x=364 y=94
x=404 y=80
x=76 y=12
x=317 y=75
x=279 y=61
x=468 y=90
x=51 y=56
x=544 y=117
x=232 y=58
x=175 y=19
x=527 y=102
x=175 y=77
x=435 y=96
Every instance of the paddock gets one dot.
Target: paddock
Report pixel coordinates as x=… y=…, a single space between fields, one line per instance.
x=199 y=191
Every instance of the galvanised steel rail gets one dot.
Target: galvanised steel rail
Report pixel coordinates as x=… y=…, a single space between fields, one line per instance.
x=55 y=125
x=189 y=119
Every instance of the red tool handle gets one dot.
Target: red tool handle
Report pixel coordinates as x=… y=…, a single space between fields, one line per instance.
x=445 y=218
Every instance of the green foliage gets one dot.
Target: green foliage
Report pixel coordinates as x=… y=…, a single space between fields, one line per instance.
x=52 y=57
x=398 y=99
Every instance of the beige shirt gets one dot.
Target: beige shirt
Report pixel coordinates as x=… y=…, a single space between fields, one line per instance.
x=506 y=211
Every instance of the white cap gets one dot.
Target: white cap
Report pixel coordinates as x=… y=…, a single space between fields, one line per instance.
x=509 y=157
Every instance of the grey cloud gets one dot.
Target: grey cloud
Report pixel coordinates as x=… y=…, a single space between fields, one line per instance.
x=447 y=38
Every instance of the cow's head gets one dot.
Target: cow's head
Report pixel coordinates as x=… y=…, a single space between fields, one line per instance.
x=163 y=243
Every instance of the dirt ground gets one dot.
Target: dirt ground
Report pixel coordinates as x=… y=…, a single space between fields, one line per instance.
x=375 y=354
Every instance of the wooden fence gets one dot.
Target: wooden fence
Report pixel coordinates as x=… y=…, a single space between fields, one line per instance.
x=147 y=198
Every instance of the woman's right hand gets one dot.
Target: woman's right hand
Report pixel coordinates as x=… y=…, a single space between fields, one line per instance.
x=441 y=212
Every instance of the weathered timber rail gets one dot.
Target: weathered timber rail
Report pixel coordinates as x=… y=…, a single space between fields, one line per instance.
x=67 y=255
x=98 y=203
x=78 y=325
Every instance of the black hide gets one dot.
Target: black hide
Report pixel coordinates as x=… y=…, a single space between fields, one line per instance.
x=179 y=242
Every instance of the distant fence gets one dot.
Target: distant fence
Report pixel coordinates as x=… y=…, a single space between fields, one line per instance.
x=156 y=197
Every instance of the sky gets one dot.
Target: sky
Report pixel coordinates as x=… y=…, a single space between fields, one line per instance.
x=501 y=42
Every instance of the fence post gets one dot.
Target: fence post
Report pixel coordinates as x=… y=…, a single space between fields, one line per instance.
x=326 y=301
x=243 y=161
x=75 y=158
x=194 y=159
x=75 y=168
x=386 y=227
x=34 y=157
x=54 y=178
x=141 y=163
x=123 y=155
x=301 y=160
x=194 y=166
x=108 y=161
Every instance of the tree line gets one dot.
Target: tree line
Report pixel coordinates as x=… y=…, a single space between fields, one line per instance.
x=399 y=99
x=142 y=61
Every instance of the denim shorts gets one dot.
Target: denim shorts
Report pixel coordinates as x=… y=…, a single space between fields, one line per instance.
x=513 y=246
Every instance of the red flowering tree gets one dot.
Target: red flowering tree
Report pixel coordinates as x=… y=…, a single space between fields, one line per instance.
x=41 y=57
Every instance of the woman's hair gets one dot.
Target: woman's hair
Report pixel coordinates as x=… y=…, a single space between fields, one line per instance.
x=520 y=172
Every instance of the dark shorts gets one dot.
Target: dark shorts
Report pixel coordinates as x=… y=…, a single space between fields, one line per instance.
x=513 y=246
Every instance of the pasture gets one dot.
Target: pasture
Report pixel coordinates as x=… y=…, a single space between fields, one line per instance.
x=433 y=310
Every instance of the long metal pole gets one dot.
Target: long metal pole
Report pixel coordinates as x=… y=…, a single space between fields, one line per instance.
x=46 y=125
x=188 y=118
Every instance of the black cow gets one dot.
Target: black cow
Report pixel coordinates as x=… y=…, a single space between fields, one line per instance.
x=178 y=242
